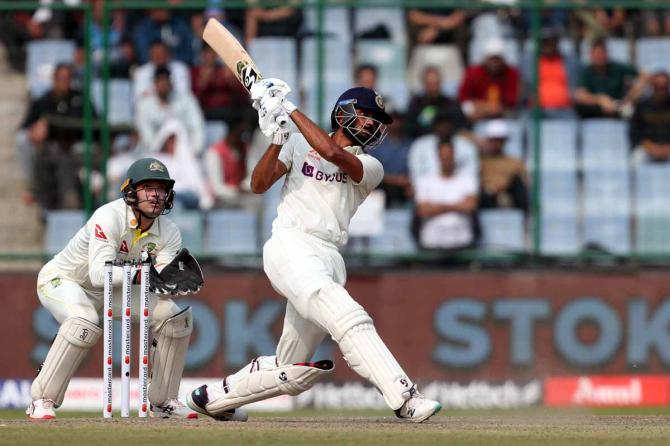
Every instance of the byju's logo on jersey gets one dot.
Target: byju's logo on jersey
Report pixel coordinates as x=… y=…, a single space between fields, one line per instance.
x=309 y=171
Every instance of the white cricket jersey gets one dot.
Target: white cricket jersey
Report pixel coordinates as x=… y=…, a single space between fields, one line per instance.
x=317 y=197
x=111 y=233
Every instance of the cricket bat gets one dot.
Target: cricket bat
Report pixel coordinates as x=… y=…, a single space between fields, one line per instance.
x=233 y=54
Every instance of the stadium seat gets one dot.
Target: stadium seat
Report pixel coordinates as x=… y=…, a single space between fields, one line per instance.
x=611 y=233
x=446 y=57
x=618 y=50
x=558 y=143
x=390 y=59
x=215 y=131
x=558 y=192
x=337 y=75
x=276 y=57
x=559 y=234
x=653 y=54
x=120 y=109
x=652 y=190
x=605 y=144
x=392 y=19
x=42 y=57
x=606 y=192
x=502 y=229
x=652 y=235
x=61 y=226
x=190 y=224
x=231 y=231
x=512 y=53
x=515 y=143
x=335 y=22
x=396 y=238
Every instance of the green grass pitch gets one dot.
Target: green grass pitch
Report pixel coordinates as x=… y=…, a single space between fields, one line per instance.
x=536 y=426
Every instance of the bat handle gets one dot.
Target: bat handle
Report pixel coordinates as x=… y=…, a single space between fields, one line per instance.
x=282 y=120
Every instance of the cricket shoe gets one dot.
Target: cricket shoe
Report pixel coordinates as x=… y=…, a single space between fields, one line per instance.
x=173 y=409
x=418 y=408
x=198 y=399
x=41 y=410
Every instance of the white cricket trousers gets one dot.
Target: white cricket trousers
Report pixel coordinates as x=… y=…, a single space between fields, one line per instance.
x=65 y=298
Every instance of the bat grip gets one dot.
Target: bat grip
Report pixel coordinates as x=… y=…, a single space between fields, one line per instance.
x=282 y=120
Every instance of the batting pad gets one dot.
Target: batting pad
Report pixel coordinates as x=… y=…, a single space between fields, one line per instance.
x=169 y=356
x=365 y=352
x=261 y=384
x=75 y=337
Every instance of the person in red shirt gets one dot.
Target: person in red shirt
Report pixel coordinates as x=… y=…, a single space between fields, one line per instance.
x=218 y=91
x=491 y=89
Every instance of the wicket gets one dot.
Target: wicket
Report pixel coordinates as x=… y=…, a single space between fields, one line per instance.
x=126 y=322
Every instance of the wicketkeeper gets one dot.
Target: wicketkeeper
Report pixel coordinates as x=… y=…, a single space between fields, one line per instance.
x=327 y=176
x=70 y=286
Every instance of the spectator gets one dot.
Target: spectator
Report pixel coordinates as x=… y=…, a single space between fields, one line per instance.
x=503 y=179
x=218 y=91
x=607 y=88
x=16 y=29
x=654 y=22
x=366 y=75
x=191 y=190
x=125 y=63
x=602 y=22
x=556 y=77
x=431 y=26
x=117 y=30
x=491 y=89
x=160 y=25
x=165 y=103
x=423 y=158
x=160 y=56
x=423 y=107
x=225 y=165
x=53 y=124
x=392 y=153
x=280 y=21
x=650 y=125
x=446 y=203
x=123 y=153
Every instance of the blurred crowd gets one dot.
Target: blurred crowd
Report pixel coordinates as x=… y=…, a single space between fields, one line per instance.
x=448 y=151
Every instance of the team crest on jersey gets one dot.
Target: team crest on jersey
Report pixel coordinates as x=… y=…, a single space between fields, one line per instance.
x=149 y=247
x=124 y=247
x=156 y=166
x=99 y=233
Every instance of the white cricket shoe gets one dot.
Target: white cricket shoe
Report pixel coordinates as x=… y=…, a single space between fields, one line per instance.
x=42 y=409
x=173 y=409
x=418 y=408
x=198 y=399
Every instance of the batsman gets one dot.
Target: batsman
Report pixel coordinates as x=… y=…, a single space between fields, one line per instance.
x=70 y=286
x=327 y=176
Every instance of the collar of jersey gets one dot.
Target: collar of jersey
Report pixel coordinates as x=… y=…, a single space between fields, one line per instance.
x=133 y=223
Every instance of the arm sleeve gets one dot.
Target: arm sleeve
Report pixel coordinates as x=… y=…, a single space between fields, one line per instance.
x=170 y=247
x=104 y=240
x=373 y=172
x=286 y=152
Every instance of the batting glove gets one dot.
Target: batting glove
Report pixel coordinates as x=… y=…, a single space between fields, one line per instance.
x=280 y=137
x=267 y=88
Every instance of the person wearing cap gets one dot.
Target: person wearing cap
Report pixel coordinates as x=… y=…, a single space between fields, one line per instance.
x=165 y=103
x=71 y=286
x=490 y=89
x=326 y=177
x=503 y=180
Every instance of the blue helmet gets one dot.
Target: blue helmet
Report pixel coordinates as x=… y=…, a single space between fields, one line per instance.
x=344 y=115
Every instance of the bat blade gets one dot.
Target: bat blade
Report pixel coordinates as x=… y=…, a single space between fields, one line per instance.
x=231 y=51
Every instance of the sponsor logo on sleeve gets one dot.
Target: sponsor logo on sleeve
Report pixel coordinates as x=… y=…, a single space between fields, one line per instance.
x=124 y=247
x=99 y=233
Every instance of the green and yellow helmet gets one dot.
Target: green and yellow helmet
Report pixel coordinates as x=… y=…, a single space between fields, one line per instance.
x=147 y=169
